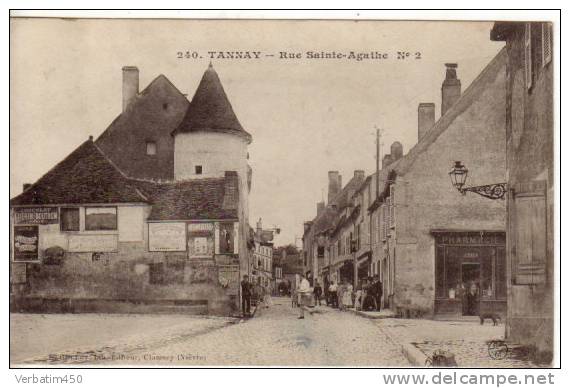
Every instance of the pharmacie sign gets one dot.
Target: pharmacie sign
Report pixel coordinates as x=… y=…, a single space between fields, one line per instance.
x=36 y=215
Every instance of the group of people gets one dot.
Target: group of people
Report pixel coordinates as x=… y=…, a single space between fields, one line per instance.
x=257 y=293
x=367 y=296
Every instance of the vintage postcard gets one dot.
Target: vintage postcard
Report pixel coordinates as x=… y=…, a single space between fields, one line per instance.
x=209 y=192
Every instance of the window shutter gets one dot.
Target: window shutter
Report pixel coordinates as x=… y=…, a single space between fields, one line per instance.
x=546 y=43
x=528 y=54
x=530 y=233
x=392 y=206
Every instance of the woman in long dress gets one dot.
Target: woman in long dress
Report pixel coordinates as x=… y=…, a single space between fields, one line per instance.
x=347 y=296
x=340 y=292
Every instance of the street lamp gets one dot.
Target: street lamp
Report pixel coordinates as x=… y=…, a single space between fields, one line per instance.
x=458 y=176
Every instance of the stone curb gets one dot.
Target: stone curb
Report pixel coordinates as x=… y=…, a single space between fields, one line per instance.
x=414 y=355
x=368 y=316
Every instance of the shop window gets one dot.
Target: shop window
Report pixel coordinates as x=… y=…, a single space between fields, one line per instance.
x=150 y=148
x=156 y=273
x=227 y=238
x=440 y=289
x=453 y=274
x=500 y=274
x=69 y=219
x=487 y=284
x=101 y=218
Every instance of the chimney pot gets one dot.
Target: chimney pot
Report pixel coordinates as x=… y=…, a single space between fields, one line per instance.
x=335 y=185
x=359 y=173
x=450 y=89
x=386 y=161
x=130 y=84
x=426 y=118
x=396 y=150
x=320 y=207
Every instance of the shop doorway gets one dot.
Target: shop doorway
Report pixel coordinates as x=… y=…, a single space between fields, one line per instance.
x=470 y=279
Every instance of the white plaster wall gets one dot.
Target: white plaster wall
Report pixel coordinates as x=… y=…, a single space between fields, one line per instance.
x=215 y=152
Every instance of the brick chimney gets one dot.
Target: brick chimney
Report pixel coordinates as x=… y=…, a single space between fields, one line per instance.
x=231 y=190
x=320 y=207
x=258 y=228
x=335 y=185
x=396 y=150
x=426 y=118
x=130 y=84
x=359 y=174
x=450 y=89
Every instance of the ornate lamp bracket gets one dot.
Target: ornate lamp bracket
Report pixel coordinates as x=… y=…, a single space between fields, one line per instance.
x=494 y=191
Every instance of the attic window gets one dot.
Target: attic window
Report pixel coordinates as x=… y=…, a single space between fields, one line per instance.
x=150 y=148
x=198 y=170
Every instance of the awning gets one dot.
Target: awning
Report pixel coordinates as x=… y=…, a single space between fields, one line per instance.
x=363 y=260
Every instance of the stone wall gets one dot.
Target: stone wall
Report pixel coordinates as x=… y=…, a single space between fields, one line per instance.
x=530 y=157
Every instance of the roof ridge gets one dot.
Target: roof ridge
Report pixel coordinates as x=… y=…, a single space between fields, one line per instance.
x=449 y=117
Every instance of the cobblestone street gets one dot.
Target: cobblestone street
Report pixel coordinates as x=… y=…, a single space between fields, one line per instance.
x=274 y=337
x=466 y=340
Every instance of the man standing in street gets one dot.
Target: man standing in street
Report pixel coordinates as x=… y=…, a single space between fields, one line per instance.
x=318 y=291
x=333 y=295
x=376 y=290
x=245 y=296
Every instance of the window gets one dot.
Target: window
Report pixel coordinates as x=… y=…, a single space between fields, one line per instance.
x=320 y=251
x=198 y=170
x=150 y=148
x=528 y=55
x=101 y=218
x=546 y=43
x=69 y=219
x=392 y=206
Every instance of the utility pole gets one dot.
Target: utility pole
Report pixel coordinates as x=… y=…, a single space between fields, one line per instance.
x=378 y=137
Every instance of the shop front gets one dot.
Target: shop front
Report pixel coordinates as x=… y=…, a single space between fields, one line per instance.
x=346 y=271
x=470 y=273
x=363 y=265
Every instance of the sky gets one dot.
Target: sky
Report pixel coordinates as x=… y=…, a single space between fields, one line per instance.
x=306 y=116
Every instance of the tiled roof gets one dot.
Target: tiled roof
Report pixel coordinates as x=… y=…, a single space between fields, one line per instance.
x=84 y=176
x=474 y=91
x=198 y=199
x=210 y=110
x=151 y=117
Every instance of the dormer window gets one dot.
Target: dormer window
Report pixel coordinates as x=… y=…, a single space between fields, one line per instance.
x=150 y=148
x=198 y=170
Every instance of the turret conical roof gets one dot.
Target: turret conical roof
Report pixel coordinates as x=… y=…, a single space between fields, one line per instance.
x=210 y=110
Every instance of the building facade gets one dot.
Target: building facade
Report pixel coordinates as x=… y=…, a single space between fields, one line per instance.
x=441 y=252
x=142 y=216
x=531 y=195
x=262 y=271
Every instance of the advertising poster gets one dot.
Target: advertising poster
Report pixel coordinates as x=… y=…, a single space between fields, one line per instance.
x=167 y=237
x=25 y=243
x=200 y=240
